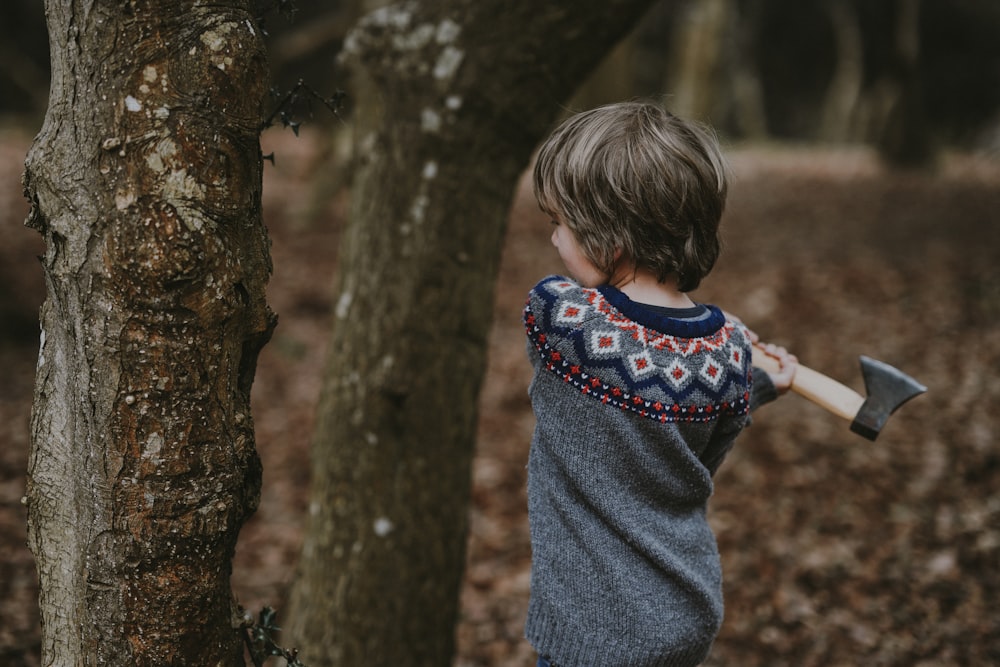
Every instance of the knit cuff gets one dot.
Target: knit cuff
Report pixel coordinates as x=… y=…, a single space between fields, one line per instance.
x=566 y=645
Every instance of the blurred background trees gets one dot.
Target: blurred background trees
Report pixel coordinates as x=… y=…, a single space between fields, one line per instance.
x=904 y=75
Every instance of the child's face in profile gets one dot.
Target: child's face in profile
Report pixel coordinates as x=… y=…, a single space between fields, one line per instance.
x=579 y=267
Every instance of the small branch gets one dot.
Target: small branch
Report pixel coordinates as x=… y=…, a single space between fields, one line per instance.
x=258 y=637
x=284 y=111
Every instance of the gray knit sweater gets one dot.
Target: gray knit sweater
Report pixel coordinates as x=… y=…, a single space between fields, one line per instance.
x=634 y=414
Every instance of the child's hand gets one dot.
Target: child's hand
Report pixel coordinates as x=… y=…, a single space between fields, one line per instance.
x=788 y=364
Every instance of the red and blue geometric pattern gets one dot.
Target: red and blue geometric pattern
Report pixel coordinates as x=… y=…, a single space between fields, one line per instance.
x=660 y=368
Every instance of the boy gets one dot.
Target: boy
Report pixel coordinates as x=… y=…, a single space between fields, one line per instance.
x=638 y=393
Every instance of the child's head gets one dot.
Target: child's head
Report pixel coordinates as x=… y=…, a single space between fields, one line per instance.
x=636 y=184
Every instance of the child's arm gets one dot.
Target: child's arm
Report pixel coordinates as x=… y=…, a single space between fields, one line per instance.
x=787 y=363
x=769 y=385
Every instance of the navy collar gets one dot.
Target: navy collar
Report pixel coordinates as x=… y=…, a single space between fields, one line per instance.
x=663 y=323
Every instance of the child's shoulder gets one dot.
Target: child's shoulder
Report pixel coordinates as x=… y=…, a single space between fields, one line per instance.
x=555 y=284
x=557 y=299
x=557 y=291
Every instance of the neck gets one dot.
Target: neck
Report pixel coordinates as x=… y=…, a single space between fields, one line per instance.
x=642 y=287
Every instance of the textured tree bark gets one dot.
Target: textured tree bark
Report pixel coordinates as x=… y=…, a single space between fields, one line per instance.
x=145 y=181
x=450 y=99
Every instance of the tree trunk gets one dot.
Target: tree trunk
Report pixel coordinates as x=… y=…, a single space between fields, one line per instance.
x=700 y=83
x=145 y=181
x=840 y=106
x=447 y=111
x=749 y=112
x=903 y=139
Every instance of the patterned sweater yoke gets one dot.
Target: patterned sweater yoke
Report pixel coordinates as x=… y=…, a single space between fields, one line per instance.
x=619 y=353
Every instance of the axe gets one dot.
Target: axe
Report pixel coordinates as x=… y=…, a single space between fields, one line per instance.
x=887 y=388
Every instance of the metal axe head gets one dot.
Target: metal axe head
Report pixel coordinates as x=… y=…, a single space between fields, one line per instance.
x=887 y=389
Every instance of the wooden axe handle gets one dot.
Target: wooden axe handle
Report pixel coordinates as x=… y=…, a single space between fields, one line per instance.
x=818 y=388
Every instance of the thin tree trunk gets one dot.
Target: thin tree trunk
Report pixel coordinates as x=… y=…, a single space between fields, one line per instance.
x=145 y=181
x=749 y=111
x=450 y=99
x=840 y=106
x=700 y=83
x=903 y=138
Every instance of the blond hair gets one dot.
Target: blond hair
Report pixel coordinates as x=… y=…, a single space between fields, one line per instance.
x=634 y=177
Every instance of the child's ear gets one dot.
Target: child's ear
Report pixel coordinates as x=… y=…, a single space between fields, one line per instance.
x=618 y=253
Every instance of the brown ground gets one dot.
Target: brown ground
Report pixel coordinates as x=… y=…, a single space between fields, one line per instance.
x=837 y=551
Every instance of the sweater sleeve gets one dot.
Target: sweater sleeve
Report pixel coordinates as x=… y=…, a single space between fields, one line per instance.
x=762 y=390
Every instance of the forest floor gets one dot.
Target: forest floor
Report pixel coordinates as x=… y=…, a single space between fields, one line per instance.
x=837 y=551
